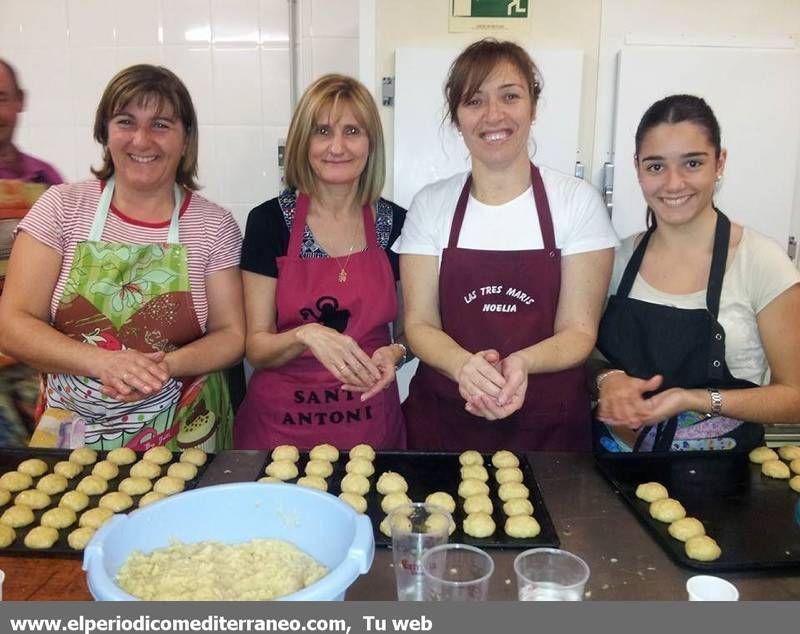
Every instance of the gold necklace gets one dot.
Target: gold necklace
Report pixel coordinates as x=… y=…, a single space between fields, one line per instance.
x=342 y=277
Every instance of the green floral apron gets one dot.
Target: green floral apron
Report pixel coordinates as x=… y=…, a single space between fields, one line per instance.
x=137 y=296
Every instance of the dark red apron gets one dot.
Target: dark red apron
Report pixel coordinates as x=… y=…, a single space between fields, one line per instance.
x=301 y=403
x=505 y=300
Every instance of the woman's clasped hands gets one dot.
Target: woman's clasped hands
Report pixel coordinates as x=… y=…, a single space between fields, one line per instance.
x=129 y=375
x=493 y=388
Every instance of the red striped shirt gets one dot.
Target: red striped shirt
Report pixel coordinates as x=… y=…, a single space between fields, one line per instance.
x=63 y=216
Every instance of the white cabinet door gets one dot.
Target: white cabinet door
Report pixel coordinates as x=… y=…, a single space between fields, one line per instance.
x=755 y=94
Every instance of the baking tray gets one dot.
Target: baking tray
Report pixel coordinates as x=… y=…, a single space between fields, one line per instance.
x=11 y=457
x=426 y=473
x=754 y=519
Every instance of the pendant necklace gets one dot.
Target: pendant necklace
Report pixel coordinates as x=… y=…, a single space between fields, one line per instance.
x=342 y=277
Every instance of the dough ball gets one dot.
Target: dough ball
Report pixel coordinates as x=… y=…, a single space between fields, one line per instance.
x=286 y=452
x=357 y=502
x=96 y=517
x=438 y=522
x=702 y=548
x=393 y=500
x=503 y=459
x=33 y=498
x=135 y=486
x=313 y=482
x=270 y=479
x=474 y=472
x=83 y=456
x=5 y=496
x=74 y=500
x=355 y=483
x=195 y=456
x=67 y=469
x=518 y=506
x=667 y=510
x=399 y=522
x=158 y=455
x=469 y=458
x=17 y=516
x=105 y=469
x=651 y=491
x=508 y=474
x=149 y=498
x=362 y=466
x=33 y=467
x=7 y=536
x=391 y=482
x=41 y=537
x=282 y=469
x=468 y=488
x=686 y=528
x=442 y=500
x=145 y=469
x=794 y=465
x=321 y=468
x=522 y=527
x=789 y=452
x=324 y=452
x=362 y=451
x=14 y=481
x=52 y=484
x=479 y=525
x=59 y=517
x=775 y=469
x=478 y=504
x=121 y=456
x=513 y=491
x=92 y=485
x=116 y=501
x=169 y=485
x=762 y=454
x=78 y=538
x=794 y=483
x=182 y=470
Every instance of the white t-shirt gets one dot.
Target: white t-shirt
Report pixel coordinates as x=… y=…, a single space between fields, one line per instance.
x=580 y=220
x=757 y=274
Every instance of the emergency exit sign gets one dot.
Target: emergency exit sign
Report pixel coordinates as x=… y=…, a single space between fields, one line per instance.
x=489 y=15
x=490 y=8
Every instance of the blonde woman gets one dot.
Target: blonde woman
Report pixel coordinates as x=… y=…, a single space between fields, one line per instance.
x=320 y=285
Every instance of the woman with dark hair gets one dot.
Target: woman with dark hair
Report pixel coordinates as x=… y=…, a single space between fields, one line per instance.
x=126 y=289
x=504 y=273
x=320 y=285
x=700 y=331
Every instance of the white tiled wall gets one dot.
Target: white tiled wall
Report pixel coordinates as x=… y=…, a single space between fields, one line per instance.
x=233 y=55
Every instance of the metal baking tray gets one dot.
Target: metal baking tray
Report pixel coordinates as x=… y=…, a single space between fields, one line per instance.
x=11 y=457
x=754 y=519
x=430 y=472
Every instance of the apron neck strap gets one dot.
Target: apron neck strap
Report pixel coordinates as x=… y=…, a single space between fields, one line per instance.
x=542 y=210
x=302 y=205
x=716 y=274
x=104 y=204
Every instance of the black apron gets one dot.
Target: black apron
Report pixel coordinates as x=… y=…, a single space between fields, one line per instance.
x=685 y=346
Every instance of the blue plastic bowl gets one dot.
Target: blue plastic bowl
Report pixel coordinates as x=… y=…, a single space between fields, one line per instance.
x=318 y=523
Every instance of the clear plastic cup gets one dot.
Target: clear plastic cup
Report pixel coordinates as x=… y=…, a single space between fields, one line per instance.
x=708 y=588
x=456 y=572
x=550 y=574
x=416 y=528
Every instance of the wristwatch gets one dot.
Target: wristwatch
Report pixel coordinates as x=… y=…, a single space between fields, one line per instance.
x=402 y=359
x=716 y=402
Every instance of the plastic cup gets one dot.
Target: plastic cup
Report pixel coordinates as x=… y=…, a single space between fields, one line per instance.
x=416 y=528
x=2 y=578
x=456 y=572
x=708 y=588
x=550 y=574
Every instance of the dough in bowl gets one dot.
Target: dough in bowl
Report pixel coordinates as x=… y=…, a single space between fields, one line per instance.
x=667 y=510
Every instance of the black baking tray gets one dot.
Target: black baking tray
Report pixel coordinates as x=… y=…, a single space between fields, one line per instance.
x=754 y=519
x=11 y=457
x=427 y=473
